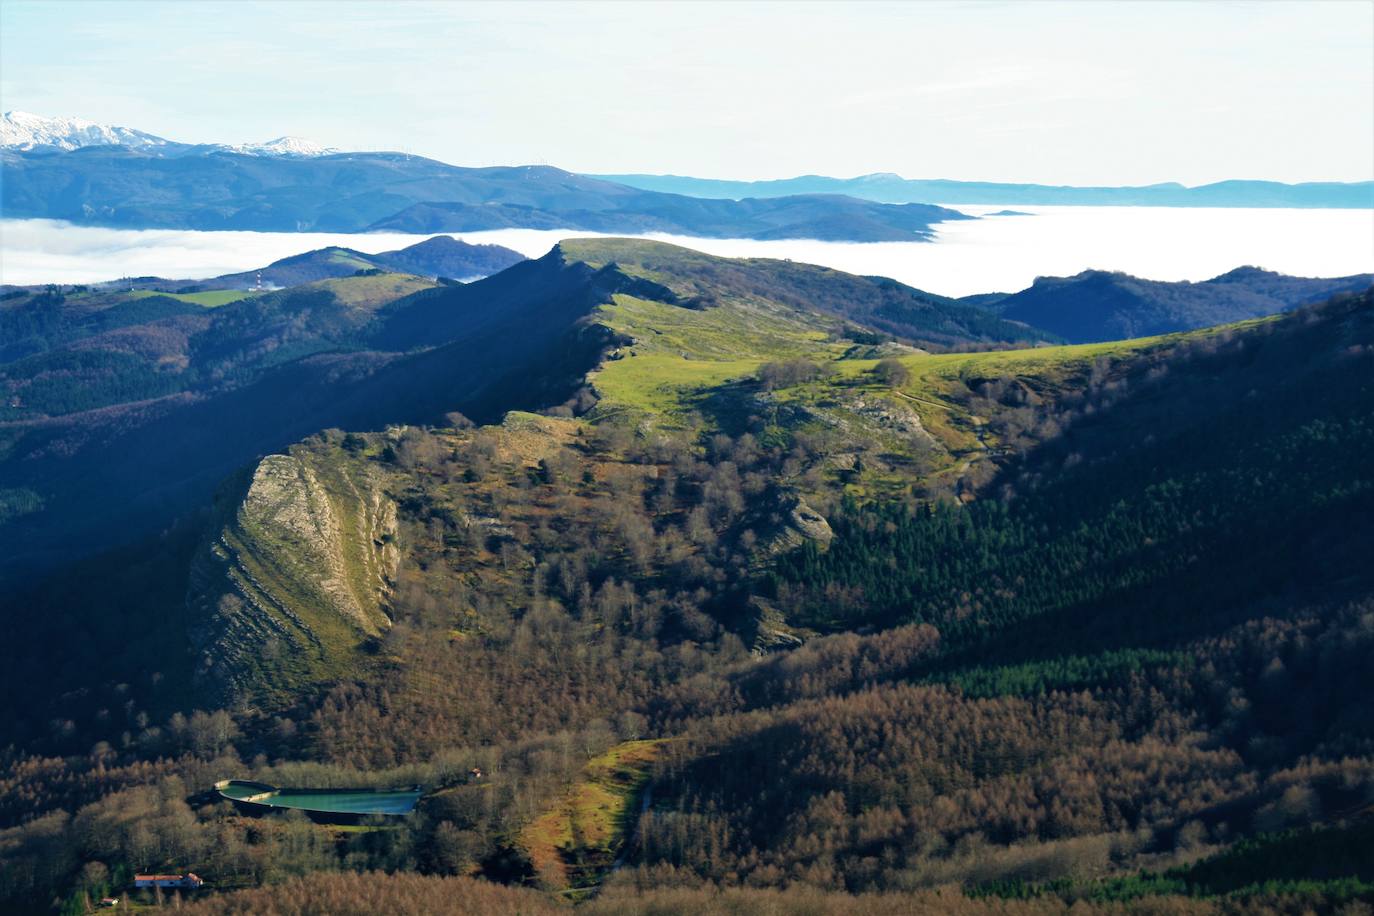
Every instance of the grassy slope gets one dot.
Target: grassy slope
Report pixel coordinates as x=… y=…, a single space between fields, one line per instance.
x=679 y=352
x=685 y=362
x=936 y=376
x=346 y=258
x=359 y=292
x=370 y=292
x=210 y=298
x=574 y=844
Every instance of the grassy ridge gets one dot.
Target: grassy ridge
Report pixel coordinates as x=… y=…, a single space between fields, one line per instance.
x=210 y=298
x=692 y=368
x=373 y=290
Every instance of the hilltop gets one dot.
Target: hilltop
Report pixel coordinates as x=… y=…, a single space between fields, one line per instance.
x=441 y=256
x=1100 y=305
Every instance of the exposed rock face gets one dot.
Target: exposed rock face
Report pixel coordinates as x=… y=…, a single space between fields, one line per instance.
x=297 y=577
x=809 y=523
x=767 y=630
x=893 y=416
x=800 y=523
x=882 y=350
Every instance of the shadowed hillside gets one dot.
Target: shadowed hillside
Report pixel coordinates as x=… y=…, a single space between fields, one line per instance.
x=1097 y=305
x=253 y=376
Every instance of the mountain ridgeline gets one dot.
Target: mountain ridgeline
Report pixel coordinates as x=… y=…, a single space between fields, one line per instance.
x=145 y=419
x=24 y=133
x=1100 y=305
x=142 y=401
x=743 y=584
x=889 y=188
x=215 y=188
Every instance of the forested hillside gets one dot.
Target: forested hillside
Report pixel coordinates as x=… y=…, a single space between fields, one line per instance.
x=790 y=591
x=1098 y=305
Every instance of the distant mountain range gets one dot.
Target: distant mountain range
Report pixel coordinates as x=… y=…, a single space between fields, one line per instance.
x=217 y=188
x=1099 y=305
x=100 y=175
x=885 y=187
x=113 y=176
x=20 y=130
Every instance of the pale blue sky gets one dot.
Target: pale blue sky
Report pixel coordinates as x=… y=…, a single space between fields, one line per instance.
x=1078 y=92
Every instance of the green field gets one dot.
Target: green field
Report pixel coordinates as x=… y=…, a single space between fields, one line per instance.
x=662 y=384
x=373 y=290
x=679 y=355
x=210 y=298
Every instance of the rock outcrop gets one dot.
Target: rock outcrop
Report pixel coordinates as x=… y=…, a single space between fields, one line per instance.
x=766 y=629
x=893 y=417
x=799 y=524
x=296 y=577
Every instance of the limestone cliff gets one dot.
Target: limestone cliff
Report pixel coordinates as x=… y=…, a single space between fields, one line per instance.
x=295 y=578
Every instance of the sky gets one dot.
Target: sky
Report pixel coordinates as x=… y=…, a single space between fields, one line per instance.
x=1060 y=93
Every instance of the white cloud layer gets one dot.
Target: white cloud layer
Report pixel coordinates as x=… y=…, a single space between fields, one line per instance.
x=996 y=253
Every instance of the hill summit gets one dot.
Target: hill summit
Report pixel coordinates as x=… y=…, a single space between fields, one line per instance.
x=1099 y=305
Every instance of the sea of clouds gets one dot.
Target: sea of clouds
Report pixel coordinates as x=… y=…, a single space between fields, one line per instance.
x=993 y=253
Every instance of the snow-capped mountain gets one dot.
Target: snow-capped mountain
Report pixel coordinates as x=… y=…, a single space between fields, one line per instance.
x=282 y=146
x=21 y=130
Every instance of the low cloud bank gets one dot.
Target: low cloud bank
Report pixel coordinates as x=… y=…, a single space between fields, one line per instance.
x=996 y=253
x=51 y=251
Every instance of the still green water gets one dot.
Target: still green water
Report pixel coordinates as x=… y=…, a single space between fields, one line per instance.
x=387 y=802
